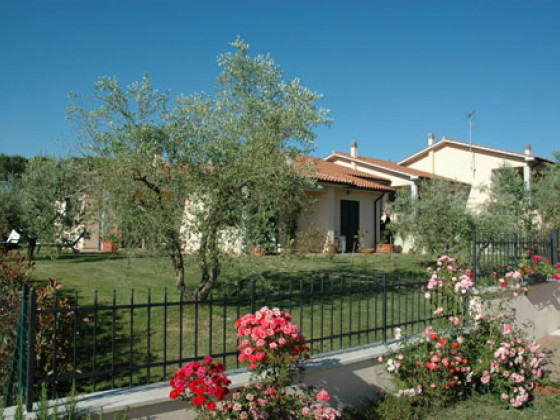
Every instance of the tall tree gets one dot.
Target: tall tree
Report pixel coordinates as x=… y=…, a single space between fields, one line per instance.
x=509 y=208
x=11 y=165
x=437 y=221
x=230 y=157
x=45 y=201
x=547 y=193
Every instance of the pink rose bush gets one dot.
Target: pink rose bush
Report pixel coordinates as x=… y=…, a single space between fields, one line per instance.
x=467 y=349
x=272 y=344
x=274 y=349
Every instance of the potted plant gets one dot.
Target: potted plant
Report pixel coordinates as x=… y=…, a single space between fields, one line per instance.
x=384 y=248
x=111 y=241
x=537 y=269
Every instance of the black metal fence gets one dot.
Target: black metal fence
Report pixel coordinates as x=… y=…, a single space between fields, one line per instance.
x=110 y=343
x=508 y=251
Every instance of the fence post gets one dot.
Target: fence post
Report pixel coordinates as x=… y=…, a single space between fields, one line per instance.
x=384 y=308
x=253 y=295
x=474 y=257
x=553 y=234
x=30 y=368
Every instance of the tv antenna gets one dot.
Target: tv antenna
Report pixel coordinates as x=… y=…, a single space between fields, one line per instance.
x=470 y=117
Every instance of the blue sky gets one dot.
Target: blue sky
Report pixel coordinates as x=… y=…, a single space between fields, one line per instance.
x=390 y=71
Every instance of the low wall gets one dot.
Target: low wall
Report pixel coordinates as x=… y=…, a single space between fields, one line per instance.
x=350 y=376
x=539 y=309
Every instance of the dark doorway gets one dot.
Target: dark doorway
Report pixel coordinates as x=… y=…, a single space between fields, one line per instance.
x=350 y=222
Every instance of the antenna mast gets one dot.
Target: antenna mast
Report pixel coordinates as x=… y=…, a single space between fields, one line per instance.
x=470 y=116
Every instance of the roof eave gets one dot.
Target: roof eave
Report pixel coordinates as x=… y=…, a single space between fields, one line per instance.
x=357 y=160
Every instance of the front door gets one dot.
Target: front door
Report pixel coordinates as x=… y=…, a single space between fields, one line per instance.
x=350 y=222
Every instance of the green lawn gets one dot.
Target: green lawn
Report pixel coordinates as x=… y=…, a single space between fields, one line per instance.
x=159 y=334
x=105 y=272
x=487 y=407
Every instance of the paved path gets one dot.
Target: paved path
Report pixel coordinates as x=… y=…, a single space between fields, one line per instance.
x=551 y=347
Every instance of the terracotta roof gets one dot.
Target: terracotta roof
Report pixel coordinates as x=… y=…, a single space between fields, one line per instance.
x=330 y=172
x=448 y=140
x=392 y=166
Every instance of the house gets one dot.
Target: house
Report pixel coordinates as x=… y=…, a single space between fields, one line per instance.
x=384 y=173
x=395 y=175
x=352 y=190
x=471 y=164
x=345 y=203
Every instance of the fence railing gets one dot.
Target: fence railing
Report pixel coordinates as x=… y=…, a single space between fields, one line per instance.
x=508 y=251
x=111 y=343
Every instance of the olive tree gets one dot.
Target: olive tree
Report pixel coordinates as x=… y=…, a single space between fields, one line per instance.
x=509 y=208
x=203 y=165
x=438 y=220
x=44 y=201
x=546 y=193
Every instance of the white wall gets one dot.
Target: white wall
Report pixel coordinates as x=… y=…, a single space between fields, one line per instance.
x=324 y=213
x=460 y=164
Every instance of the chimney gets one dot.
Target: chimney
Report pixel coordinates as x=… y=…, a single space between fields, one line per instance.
x=354 y=149
x=431 y=139
x=528 y=151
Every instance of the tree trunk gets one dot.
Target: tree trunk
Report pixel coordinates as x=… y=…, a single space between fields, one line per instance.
x=178 y=265
x=31 y=245
x=210 y=264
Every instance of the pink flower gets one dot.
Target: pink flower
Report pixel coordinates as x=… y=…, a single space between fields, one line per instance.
x=507 y=329
x=454 y=320
x=485 y=379
x=323 y=395
x=438 y=311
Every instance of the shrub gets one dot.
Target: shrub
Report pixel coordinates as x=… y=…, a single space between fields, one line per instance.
x=468 y=350
x=275 y=349
x=15 y=273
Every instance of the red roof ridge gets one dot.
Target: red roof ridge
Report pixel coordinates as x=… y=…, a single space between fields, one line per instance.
x=390 y=165
x=330 y=172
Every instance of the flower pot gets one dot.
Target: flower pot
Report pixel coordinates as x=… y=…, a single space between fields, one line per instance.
x=384 y=248
x=535 y=278
x=257 y=251
x=368 y=251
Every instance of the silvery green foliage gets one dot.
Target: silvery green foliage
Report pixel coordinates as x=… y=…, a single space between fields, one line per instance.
x=438 y=221
x=204 y=168
x=547 y=192
x=509 y=208
x=45 y=201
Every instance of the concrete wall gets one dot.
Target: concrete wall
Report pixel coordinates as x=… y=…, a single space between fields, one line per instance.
x=539 y=310
x=350 y=376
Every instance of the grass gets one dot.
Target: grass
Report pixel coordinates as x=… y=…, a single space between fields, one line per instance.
x=105 y=272
x=486 y=406
x=123 y=340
